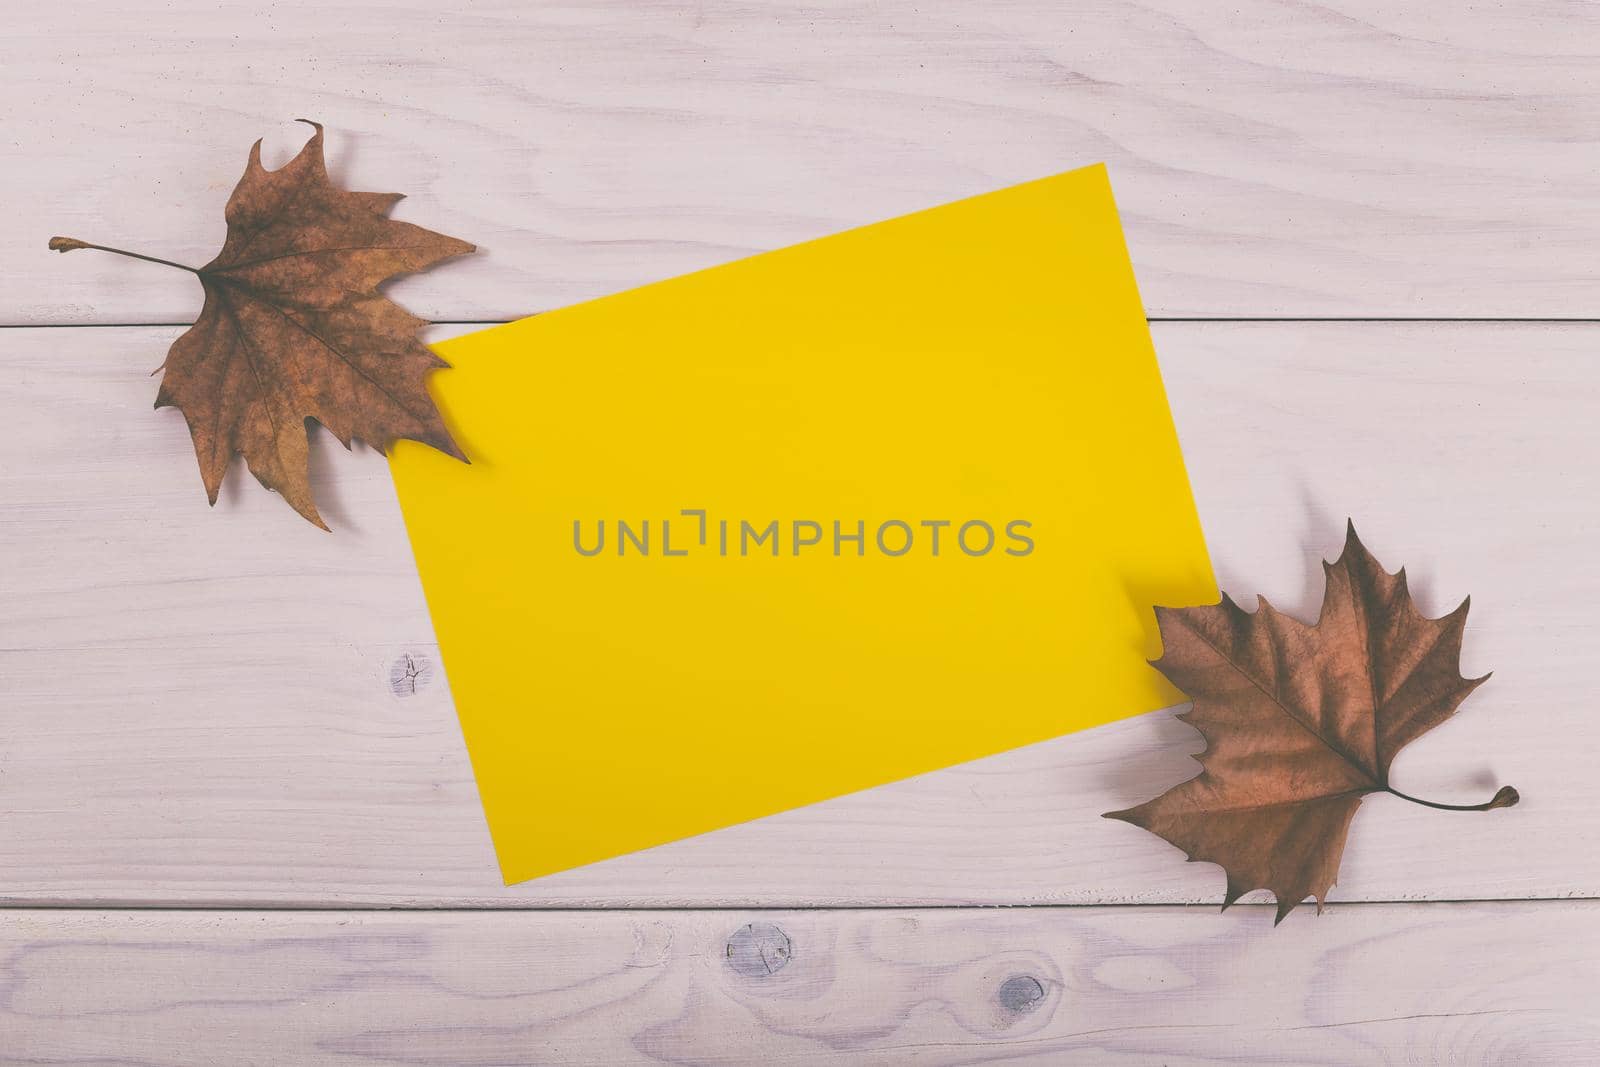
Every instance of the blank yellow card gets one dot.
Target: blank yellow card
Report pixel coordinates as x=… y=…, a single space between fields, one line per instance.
x=803 y=524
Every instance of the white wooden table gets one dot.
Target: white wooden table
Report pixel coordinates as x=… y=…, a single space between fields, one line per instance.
x=238 y=820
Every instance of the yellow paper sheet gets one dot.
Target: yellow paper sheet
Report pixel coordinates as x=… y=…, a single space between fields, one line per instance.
x=984 y=362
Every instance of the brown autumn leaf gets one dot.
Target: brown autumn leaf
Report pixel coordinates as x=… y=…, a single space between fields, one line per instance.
x=1301 y=722
x=293 y=328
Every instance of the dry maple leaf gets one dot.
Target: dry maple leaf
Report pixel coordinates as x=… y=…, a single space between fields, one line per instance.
x=1301 y=722
x=293 y=328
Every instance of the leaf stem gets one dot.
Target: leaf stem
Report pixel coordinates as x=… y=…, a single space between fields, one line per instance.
x=1506 y=797
x=68 y=244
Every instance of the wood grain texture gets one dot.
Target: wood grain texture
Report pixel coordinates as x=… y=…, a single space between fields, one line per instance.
x=233 y=707
x=1271 y=158
x=1457 y=984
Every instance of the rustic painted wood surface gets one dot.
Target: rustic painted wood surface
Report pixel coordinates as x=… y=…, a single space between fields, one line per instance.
x=216 y=707
x=1271 y=158
x=230 y=709
x=1460 y=984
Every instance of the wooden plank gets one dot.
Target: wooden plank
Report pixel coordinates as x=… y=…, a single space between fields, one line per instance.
x=1271 y=157
x=1460 y=984
x=234 y=707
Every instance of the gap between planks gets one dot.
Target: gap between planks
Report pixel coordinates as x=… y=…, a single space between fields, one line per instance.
x=739 y=909
x=1202 y=320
